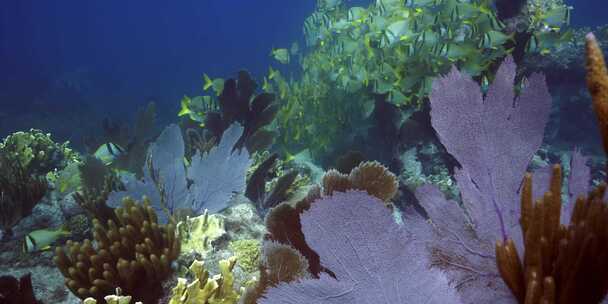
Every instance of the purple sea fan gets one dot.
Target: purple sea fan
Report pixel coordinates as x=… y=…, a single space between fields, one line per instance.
x=374 y=260
x=493 y=139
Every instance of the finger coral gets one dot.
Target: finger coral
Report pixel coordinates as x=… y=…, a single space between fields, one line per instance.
x=561 y=264
x=597 y=82
x=134 y=254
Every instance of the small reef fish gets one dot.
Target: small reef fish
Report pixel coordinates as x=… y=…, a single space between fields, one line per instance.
x=108 y=152
x=40 y=240
x=216 y=84
x=281 y=55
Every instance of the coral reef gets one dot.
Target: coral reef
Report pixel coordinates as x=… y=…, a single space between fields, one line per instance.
x=283 y=221
x=370 y=257
x=134 y=254
x=493 y=139
x=206 y=289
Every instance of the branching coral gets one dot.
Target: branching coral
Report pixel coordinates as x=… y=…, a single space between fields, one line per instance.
x=561 y=264
x=205 y=289
x=134 y=254
x=36 y=152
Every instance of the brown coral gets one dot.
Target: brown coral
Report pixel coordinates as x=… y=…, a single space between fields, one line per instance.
x=561 y=264
x=335 y=181
x=134 y=254
x=281 y=263
x=597 y=83
x=374 y=178
x=370 y=176
x=283 y=221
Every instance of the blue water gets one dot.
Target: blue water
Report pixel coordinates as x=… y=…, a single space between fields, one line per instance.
x=131 y=52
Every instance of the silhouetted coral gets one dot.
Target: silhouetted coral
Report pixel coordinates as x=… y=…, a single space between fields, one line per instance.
x=13 y=291
x=134 y=254
x=238 y=104
x=256 y=186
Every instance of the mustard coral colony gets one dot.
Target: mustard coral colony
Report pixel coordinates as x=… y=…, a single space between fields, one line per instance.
x=134 y=254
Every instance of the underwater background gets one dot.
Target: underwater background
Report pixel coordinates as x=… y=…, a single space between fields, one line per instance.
x=295 y=151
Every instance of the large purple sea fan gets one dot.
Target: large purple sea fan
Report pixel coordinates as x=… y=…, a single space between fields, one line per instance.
x=493 y=138
x=374 y=260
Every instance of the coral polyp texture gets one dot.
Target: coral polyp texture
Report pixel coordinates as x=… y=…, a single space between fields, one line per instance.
x=372 y=177
x=134 y=254
x=597 y=82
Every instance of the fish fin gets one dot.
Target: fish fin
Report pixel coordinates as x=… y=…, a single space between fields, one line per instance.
x=45 y=248
x=208 y=82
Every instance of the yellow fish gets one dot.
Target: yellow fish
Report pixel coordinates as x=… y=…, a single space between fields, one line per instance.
x=281 y=55
x=40 y=240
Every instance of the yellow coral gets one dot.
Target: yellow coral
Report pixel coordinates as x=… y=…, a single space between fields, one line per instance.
x=216 y=290
x=247 y=253
x=197 y=233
